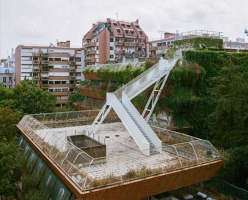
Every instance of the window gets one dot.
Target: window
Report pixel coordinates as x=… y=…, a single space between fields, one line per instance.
x=10 y=79
x=111 y=40
x=112 y=56
x=4 y=79
x=111 y=48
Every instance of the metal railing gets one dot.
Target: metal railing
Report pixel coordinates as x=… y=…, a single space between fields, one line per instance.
x=83 y=169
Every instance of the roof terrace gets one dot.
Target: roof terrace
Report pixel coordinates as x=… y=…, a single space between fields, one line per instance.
x=116 y=161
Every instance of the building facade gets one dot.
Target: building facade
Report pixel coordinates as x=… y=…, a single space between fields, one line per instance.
x=7 y=77
x=57 y=69
x=239 y=44
x=114 y=41
x=159 y=47
x=7 y=71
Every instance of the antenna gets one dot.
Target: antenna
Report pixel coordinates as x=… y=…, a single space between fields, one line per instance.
x=116 y=16
x=246 y=32
x=161 y=34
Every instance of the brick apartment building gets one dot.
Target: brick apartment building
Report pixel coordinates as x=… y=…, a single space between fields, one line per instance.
x=114 y=41
x=57 y=69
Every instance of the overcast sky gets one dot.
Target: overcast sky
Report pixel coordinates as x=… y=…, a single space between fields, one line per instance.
x=45 y=21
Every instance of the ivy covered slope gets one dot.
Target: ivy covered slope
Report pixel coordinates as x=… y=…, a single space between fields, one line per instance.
x=109 y=78
x=179 y=97
x=199 y=43
x=224 y=115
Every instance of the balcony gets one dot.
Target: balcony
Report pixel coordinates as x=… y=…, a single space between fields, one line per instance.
x=36 y=62
x=44 y=61
x=130 y=44
x=35 y=78
x=91 y=52
x=44 y=85
x=90 y=44
x=72 y=78
x=119 y=51
x=141 y=44
x=35 y=70
x=90 y=60
x=72 y=69
x=72 y=63
x=36 y=54
x=44 y=54
x=44 y=77
x=44 y=69
x=118 y=43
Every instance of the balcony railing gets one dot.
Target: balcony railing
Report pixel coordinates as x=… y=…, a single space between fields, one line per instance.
x=35 y=77
x=130 y=44
x=44 y=61
x=91 y=52
x=90 y=44
x=118 y=43
x=72 y=69
x=119 y=51
x=36 y=62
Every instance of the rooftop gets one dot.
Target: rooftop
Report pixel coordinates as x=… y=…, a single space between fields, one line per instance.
x=123 y=162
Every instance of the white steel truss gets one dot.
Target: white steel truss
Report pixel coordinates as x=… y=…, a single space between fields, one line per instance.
x=99 y=119
x=153 y=99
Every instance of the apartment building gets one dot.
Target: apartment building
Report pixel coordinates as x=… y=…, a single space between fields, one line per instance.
x=158 y=47
x=114 y=41
x=7 y=71
x=57 y=69
x=7 y=76
x=239 y=44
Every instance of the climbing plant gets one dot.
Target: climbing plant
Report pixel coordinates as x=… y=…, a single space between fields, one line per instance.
x=199 y=43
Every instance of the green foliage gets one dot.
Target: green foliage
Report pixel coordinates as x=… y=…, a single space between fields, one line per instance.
x=76 y=97
x=32 y=99
x=228 y=119
x=120 y=74
x=11 y=166
x=230 y=116
x=8 y=120
x=30 y=189
x=6 y=97
x=84 y=82
x=199 y=43
x=235 y=171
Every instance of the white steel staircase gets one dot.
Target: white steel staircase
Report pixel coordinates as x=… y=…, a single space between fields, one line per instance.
x=135 y=123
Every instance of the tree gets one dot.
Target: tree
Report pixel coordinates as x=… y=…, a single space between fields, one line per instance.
x=235 y=170
x=228 y=122
x=32 y=99
x=11 y=167
x=8 y=120
x=6 y=97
